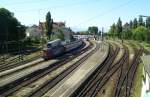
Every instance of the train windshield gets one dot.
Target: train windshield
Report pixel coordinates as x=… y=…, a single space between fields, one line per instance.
x=49 y=45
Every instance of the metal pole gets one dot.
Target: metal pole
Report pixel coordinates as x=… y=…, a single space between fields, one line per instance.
x=6 y=44
x=102 y=39
x=42 y=29
x=3 y=48
x=19 y=45
x=121 y=38
x=102 y=33
x=20 y=52
x=42 y=34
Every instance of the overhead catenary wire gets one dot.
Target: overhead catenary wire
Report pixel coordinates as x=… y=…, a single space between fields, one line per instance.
x=24 y=2
x=106 y=12
x=74 y=4
x=55 y=6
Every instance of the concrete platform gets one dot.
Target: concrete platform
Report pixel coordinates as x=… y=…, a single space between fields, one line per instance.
x=68 y=85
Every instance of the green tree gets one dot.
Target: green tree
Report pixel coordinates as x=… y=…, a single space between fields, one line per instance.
x=119 y=28
x=126 y=25
x=83 y=32
x=49 y=23
x=140 y=23
x=147 y=36
x=93 y=30
x=10 y=28
x=61 y=35
x=126 y=33
x=112 y=31
x=135 y=23
x=148 y=22
x=140 y=33
x=131 y=24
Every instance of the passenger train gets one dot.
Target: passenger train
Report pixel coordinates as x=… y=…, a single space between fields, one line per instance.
x=56 y=48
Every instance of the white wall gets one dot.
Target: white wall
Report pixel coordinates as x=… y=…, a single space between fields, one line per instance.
x=146 y=85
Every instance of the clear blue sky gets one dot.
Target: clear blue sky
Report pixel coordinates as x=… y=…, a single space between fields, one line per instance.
x=78 y=14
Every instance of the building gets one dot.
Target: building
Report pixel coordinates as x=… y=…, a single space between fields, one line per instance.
x=58 y=27
x=68 y=33
x=146 y=73
x=33 y=31
x=91 y=37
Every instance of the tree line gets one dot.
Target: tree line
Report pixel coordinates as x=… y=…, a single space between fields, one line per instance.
x=92 y=30
x=10 y=28
x=12 y=32
x=136 y=29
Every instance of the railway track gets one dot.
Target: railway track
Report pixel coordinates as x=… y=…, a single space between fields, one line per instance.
x=15 y=63
x=111 y=71
x=96 y=81
x=123 y=71
x=131 y=73
x=11 y=61
x=37 y=59
x=66 y=72
x=6 y=91
x=124 y=85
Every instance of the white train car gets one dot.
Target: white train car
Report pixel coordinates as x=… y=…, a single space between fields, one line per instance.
x=73 y=45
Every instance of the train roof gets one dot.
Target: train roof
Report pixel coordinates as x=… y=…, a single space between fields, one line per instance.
x=54 y=41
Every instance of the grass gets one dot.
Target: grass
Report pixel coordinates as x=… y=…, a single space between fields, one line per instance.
x=134 y=44
x=137 y=86
x=37 y=53
x=147 y=46
x=120 y=53
x=29 y=57
x=113 y=44
x=130 y=47
x=12 y=96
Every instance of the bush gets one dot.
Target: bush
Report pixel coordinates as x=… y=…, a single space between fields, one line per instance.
x=141 y=33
